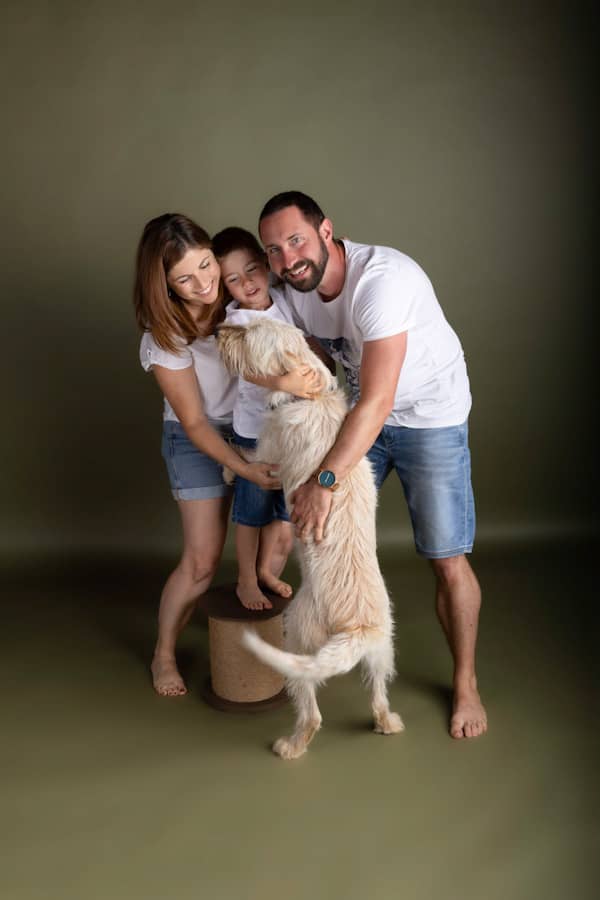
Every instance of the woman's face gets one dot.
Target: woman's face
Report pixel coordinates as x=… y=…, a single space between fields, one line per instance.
x=196 y=277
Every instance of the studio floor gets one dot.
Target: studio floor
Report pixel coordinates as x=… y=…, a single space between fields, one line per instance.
x=112 y=793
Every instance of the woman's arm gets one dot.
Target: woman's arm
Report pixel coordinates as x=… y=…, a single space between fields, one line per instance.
x=180 y=387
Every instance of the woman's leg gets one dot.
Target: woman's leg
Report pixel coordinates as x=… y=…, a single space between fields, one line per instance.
x=276 y=541
x=247 y=539
x=204 y=530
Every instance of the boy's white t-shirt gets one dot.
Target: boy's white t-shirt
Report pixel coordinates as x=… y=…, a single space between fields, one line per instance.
x=386 y=293
x=251 y=400
x=217 y=387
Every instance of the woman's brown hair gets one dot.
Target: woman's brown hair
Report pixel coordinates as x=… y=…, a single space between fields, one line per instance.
x=164 y=242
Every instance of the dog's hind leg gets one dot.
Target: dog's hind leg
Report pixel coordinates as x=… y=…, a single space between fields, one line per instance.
x=378 y=668
x=303 y=693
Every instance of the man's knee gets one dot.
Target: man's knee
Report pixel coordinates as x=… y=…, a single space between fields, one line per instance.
x=451 y=570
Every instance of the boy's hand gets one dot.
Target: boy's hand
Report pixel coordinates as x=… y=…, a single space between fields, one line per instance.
x=303 y=382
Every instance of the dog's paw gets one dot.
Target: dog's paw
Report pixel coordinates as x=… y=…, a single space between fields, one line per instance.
x=287 y=749
x=389 y=724
x=228 y=475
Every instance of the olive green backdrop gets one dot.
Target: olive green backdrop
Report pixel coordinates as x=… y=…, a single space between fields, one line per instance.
x=456 y=132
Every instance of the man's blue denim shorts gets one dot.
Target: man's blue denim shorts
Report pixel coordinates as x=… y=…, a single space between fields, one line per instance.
x=251 y=504
x=193 y=474
x=434 y=466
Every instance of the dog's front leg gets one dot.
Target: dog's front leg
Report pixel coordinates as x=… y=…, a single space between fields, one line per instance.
x=309 y=720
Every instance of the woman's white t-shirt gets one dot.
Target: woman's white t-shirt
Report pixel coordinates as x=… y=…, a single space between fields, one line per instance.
x=217 y=387
x=251 y=400
x=386 y=293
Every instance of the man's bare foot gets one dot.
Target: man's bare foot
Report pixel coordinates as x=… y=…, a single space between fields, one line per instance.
x=251 y=596
x=166 y=679
x=275 y=584
x=469 y=718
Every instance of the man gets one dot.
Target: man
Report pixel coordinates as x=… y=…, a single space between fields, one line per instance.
x=374 y=310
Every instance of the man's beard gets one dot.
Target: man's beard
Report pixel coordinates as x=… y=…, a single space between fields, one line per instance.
x=314 y=273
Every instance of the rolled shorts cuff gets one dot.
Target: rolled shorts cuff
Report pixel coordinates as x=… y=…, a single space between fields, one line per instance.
x=444 y=554
x=205 y=493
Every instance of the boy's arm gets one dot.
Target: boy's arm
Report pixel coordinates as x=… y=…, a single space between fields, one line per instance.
x=303 y=382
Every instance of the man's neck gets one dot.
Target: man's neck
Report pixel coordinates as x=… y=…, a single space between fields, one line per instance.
x=332 y=283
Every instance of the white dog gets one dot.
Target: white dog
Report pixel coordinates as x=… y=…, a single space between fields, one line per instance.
x=341 y=613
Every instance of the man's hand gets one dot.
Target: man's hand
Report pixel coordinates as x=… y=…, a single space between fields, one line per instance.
x=311 y=507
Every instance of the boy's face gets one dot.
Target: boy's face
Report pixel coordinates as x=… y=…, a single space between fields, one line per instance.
x=246 y=278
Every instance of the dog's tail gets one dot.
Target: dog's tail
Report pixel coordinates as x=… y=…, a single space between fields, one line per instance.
x=340 y=654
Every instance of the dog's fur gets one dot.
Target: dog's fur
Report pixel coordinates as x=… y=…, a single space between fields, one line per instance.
x=341 y=614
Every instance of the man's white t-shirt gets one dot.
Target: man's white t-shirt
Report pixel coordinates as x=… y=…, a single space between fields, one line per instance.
x=251 y=400
x=385 y=293
x=217 y=386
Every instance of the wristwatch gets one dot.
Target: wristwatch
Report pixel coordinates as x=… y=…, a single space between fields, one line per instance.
x=326 y=478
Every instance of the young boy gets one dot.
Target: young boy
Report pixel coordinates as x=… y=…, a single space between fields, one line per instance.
x=263 y=535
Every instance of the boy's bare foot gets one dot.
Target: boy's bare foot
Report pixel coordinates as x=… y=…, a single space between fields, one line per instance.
x=251 y=596
x=469 y=718
x=166 y=679
x=274 y=584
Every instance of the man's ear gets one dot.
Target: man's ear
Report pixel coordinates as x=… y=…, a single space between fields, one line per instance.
x=326 y=230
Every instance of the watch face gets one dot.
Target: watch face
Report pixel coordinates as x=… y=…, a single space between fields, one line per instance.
x=326 y=478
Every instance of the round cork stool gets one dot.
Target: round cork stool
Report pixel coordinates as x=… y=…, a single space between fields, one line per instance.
x=238 y=681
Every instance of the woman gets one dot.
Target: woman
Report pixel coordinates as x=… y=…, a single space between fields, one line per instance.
x=179 y=302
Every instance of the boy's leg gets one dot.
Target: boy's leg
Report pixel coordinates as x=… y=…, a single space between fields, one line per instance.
x=276 y=541
x=247 y=539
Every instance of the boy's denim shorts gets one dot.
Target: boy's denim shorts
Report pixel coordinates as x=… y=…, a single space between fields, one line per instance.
x=193 y=474
x=252 y=505
x=434 y=466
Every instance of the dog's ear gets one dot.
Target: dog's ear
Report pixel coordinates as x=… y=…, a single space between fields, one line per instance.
x=230 y=341
x=292 y=360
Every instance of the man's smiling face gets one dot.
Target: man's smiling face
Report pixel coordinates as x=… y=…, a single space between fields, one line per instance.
x=295 y=249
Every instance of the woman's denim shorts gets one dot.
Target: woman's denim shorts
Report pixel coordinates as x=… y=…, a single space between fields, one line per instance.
x=434 y=466
x=193 y=474
x=252 y=505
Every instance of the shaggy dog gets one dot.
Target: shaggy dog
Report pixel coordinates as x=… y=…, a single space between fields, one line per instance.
x=341 y=613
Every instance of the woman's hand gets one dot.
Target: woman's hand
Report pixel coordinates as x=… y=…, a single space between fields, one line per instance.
x=263 y=474
x=304 y=382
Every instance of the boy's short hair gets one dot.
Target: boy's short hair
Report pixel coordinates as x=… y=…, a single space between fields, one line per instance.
x=233 y=238
x=309 y=208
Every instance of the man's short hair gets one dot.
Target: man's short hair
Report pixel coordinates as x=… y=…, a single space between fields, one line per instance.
x=311 y=210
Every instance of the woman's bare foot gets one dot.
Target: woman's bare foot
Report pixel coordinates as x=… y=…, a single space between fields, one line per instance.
x=469 y=718
x=251 y=596
x=274 y=584
x=166 y=679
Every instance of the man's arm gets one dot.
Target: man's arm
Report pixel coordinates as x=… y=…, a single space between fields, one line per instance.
x=379 y=372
